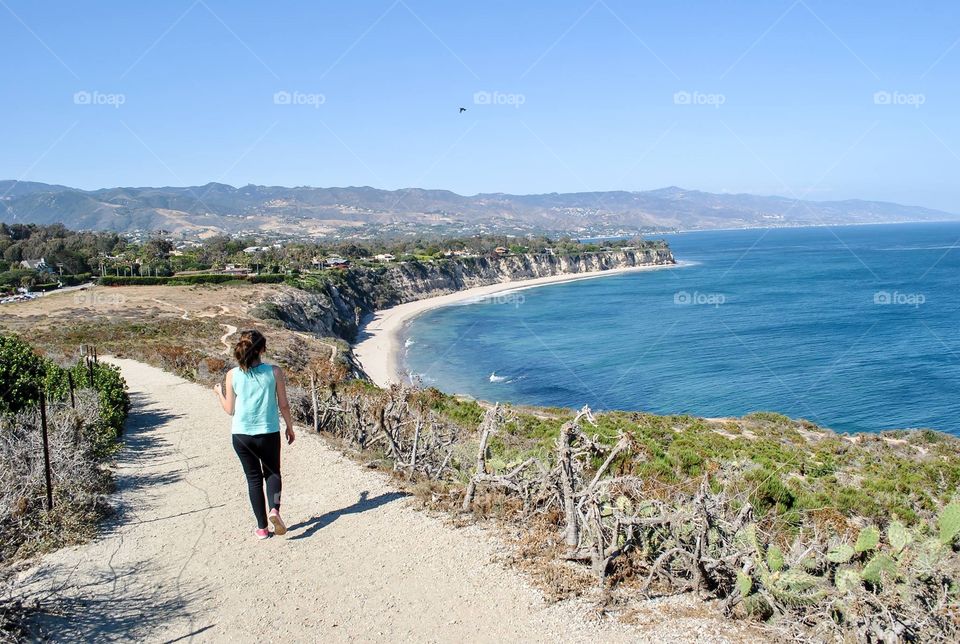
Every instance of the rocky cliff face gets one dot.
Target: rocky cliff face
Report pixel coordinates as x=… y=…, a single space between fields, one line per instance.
x=338 y=304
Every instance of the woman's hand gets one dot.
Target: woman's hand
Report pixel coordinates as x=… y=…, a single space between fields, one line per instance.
x=290 y=435
x=227 y=400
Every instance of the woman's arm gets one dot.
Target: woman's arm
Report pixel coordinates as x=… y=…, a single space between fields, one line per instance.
x=229 y=400
x=282 y=401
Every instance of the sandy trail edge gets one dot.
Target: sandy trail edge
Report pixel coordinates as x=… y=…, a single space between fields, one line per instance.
x=378 y=348
x=178 y=563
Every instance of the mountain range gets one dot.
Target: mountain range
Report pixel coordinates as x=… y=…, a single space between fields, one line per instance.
x=361 y=211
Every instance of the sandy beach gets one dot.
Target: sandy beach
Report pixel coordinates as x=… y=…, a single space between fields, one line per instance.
x=378 y=348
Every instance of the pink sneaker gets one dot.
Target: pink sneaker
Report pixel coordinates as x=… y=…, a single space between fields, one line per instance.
x=261 y=534
x=279 y=527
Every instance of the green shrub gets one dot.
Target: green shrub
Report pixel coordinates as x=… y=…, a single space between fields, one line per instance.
x=132 y=280
x=22 y=372
x=111 y=390
x=185 y=280
x=266 y=278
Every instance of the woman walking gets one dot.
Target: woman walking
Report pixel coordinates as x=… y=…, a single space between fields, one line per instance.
x=256 y=396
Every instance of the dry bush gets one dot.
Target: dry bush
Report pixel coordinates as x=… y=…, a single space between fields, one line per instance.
x=582 y=503
x=79 y=482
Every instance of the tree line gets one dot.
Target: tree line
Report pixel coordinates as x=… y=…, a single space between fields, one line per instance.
x=72 y=256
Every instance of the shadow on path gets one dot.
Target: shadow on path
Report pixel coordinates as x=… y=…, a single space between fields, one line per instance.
x=117 y=604
x=312 y=526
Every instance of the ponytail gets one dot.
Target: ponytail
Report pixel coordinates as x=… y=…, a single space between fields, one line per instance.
x=248 y=348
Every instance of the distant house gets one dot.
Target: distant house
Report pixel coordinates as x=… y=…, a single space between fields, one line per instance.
x=500 y=250
x=384 y=257
x=337 y=262
x=231 y=269
x=39 y=265
x=255 y=249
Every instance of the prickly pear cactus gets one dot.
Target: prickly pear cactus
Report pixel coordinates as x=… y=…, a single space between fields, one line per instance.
x=775 y=558
x=744 y=583
x=949 y=523
x=748 y=535
x=929 y=555
x=881 y=564
x=898 y=536
x=868 y=539
x=847 y=580
x=796 y=588
x=757 y=606
x=841 y=553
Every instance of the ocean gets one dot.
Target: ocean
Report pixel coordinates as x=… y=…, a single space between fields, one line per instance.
x=854 y=328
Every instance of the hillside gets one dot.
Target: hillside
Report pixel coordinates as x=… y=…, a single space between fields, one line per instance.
x=359 y=211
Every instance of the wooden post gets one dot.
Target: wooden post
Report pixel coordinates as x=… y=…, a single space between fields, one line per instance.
x=46 y=451
x=488 y=424
x=565 y=461
x=313 y=396
x=73 y=400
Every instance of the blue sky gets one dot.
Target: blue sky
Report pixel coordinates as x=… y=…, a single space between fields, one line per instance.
x=772 y=97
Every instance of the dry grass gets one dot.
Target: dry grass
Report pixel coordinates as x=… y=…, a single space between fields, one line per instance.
x=177 y=328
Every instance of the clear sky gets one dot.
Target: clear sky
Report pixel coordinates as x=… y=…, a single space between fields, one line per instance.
x=770 y=97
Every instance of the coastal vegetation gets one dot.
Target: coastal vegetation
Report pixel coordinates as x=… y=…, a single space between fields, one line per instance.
x=60 y=421
x=812 y=533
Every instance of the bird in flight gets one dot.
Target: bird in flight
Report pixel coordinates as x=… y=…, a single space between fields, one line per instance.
x=462 y=110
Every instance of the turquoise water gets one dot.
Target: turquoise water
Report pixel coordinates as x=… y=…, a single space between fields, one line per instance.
x=793 y=321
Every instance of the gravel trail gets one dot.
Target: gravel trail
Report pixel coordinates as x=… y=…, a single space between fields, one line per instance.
x=178 y=562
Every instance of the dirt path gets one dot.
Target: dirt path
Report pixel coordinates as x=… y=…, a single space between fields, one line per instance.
x=178 y=562
x=230 y=330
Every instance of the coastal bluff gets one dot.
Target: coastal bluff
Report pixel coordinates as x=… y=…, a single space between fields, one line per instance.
x=336 y=304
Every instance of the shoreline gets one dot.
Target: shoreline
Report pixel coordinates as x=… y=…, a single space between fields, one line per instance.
x=378 y=348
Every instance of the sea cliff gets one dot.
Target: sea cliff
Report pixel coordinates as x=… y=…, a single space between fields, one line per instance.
x=336 y=302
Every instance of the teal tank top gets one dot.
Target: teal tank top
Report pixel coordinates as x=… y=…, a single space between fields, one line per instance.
x=256 y=410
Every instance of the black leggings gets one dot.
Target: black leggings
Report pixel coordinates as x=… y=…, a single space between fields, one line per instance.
x=260 y=456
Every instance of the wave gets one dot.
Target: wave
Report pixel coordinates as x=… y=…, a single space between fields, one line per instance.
x=409 y=343
x=909 y=248
x=495 y=378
